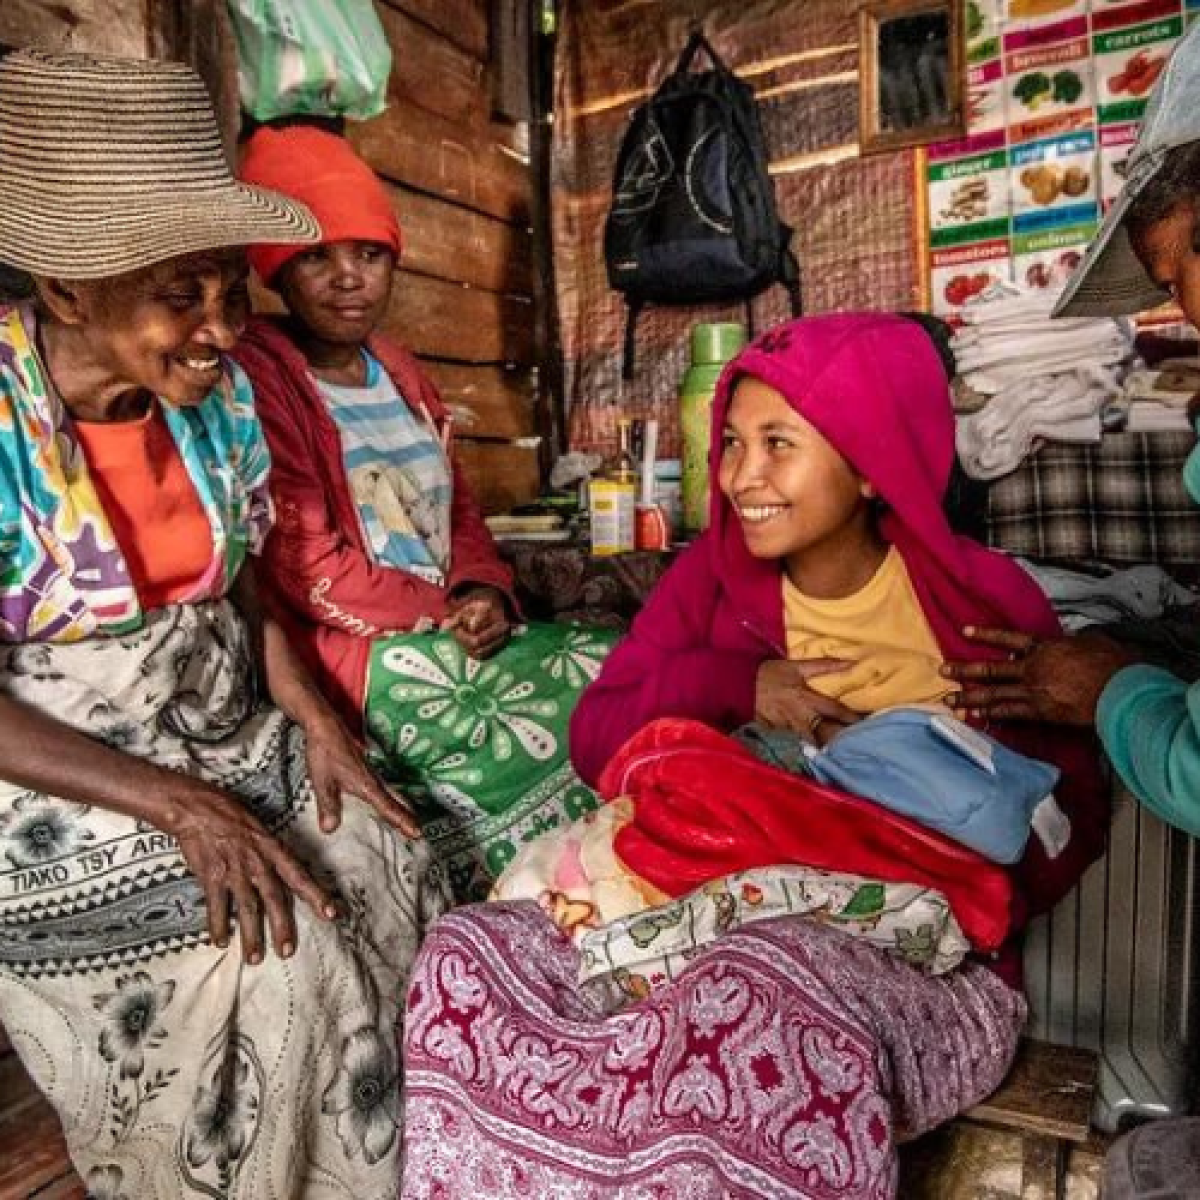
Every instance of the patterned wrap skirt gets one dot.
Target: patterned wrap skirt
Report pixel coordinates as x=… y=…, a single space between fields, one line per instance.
x=787 y=1059
x=177 y=1070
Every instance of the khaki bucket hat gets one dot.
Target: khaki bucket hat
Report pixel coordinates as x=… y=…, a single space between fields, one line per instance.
x=1110 y=281
x=108 y=165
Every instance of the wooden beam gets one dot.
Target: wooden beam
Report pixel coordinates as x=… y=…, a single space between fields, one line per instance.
x=455 y=243
x=512 y=39
x=95 y=26
x=200 y=33
x=460 y=162
x=431 y=72
x=501 y=474
x=68 y=1188
x=437 y=319
x=551 y=402
x=491 y=402
x=464 y=22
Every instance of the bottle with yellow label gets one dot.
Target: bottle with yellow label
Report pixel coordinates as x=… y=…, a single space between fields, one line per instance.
x=612 y=501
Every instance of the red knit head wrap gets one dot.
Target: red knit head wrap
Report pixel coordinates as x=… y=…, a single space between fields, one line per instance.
x=321 y=170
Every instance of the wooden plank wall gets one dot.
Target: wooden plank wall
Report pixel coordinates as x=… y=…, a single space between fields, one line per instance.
x=191 y=31
x=98 y=26
x=462 y=187
x=461 y=183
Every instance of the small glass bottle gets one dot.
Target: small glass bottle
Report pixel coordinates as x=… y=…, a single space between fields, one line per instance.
x=624 y=466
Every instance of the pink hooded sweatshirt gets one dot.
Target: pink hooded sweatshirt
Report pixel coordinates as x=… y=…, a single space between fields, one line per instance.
x=875 y=388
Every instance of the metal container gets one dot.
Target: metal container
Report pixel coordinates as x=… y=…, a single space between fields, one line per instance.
x=1115 y=968
x=713 y=345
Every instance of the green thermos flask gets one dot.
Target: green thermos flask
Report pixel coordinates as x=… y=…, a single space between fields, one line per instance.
x=713 y=345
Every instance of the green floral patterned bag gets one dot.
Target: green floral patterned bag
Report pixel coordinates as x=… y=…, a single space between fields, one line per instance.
x=481 y=747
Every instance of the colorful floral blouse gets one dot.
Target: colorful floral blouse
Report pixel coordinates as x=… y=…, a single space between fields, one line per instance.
x=62 y=574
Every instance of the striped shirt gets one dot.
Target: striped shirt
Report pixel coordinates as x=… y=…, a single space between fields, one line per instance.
x=398 y=472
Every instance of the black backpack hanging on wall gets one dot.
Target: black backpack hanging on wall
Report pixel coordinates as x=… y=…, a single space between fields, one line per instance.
x=693 y=218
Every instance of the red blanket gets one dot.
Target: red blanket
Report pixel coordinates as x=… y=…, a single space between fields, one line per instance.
x=706 y=808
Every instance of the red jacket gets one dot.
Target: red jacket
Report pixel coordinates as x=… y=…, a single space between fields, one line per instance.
x=334 y=596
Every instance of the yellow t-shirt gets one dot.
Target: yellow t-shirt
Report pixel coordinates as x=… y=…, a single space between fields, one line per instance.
x=882 y=629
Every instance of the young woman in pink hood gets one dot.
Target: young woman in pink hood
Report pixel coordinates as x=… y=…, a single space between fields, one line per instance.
x=830 y=584
x=786 y=1057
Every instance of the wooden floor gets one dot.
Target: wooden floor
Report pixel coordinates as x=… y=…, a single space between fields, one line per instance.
x=33 y=1155
x=969 y=1162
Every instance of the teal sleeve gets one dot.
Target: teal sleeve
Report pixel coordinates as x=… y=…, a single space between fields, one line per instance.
x=1149 y=722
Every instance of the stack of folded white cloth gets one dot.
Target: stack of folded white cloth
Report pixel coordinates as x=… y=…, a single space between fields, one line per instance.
x=1043 y=380
x=1156 y=399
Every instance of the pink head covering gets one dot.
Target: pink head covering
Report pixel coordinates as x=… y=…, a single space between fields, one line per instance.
x=873 y=385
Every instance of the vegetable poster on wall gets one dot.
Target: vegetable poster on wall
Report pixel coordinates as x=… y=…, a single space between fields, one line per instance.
x=1055 y=93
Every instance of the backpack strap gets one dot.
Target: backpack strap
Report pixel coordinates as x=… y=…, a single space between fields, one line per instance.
x=633 y=310
x=789 y=275
x=695 y=44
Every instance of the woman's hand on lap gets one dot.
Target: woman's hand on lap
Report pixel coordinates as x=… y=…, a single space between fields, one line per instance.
x=337 y=768
x=480 y=621
x=783 y=699
x=1059 y=680
x=241 y=865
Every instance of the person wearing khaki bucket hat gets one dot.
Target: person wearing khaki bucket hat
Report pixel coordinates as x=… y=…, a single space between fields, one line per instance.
x=1146 y=252
x=1148 y=718
x=183 y=817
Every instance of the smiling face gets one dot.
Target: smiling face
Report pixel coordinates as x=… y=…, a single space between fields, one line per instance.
x=338 y=292
x=797 y=498
x=1166 y=249
x=158 y=331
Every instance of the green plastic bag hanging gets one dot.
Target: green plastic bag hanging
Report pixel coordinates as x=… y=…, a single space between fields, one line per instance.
x=321 y=58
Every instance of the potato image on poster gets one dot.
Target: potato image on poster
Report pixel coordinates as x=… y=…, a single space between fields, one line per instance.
x=1054 y=173
x=1043 y=183
x=1048 y=181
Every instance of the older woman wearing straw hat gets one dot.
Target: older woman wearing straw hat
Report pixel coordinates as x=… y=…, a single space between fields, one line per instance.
x=208 y=905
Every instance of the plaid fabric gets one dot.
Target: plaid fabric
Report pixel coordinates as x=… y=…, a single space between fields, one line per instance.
x=1119 y=501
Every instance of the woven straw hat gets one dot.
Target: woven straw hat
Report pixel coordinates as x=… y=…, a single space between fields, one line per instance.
x=108 y=165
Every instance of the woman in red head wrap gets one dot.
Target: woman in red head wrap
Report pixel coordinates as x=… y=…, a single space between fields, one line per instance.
x=384 y=567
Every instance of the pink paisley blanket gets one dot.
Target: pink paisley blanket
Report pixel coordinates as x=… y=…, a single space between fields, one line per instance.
x=787 y=1060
